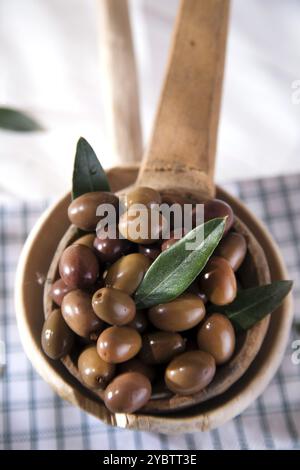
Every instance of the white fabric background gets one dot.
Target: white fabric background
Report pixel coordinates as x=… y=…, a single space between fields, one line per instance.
x=49 y=63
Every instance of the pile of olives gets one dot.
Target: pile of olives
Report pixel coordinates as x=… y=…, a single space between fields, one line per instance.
x=122 y=350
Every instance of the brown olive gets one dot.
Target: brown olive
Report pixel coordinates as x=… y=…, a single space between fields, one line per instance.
x=127 y=393
x=118 y=344
x=218 y=208
x=174 y=237
x=161 y=346
x=113 y=306
x=82 y=211
x=58 y=290
x=127 y=273
x=86 y=240
x=144 y=227
x=180 y=314
x=57 y=338
x=176 y=219
x=190 y=372
x=79 y=315
x=78 y=267
x=151 y=251
x=94 y=372
x=140 y=321
x=110 y=249
x=216 y=336
x=136 y=365
x=233 y=248
x=218 y=282
x=143 y=195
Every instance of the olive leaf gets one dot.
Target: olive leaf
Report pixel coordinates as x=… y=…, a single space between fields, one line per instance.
x=176 y=268
x=14 y=120
x=252 y=305
x=88 y=174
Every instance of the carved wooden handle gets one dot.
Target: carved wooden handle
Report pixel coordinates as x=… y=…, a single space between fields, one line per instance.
x=119 y=78
x=182 y=149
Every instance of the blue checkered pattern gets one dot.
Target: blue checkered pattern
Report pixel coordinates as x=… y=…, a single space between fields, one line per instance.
x=32 y=417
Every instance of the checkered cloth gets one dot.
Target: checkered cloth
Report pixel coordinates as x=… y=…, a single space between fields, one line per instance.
x=33 y=417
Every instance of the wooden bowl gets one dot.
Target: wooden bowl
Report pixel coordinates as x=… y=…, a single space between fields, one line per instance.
x=36 y=258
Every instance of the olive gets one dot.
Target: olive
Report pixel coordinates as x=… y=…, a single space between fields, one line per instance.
x=110 y=249
x=161 y=346
x=78 y=266
x=143 y=195
x=140 y=321
x=190 y=372
x=136 y=365
x=174 y=237
x=113 y=306
x=127 y=273
x=218 y=208
x=233 y=248
x=216 y=336
x=86 y=240
x=79 y=315
x=180 y=314
x=118 y=344
x=82 y=211
x=94 y=372
x=151 y=251
x=57 y=338
x=144 y=227
x=127 y=393
x=58 y=290
x=218 y=282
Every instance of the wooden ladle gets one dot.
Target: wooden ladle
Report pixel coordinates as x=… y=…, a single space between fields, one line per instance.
x=180 y=160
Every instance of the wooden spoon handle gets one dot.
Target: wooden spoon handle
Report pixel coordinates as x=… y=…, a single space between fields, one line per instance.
x=120 y=81
x=183 y=144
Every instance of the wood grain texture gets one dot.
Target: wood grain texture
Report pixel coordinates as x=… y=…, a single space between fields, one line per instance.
x=119 y=80
x=183 y=143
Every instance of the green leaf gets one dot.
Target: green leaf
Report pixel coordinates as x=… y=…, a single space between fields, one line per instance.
x=14 y=120
x=176 y=268
x=88 y=174
x=252 y=305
